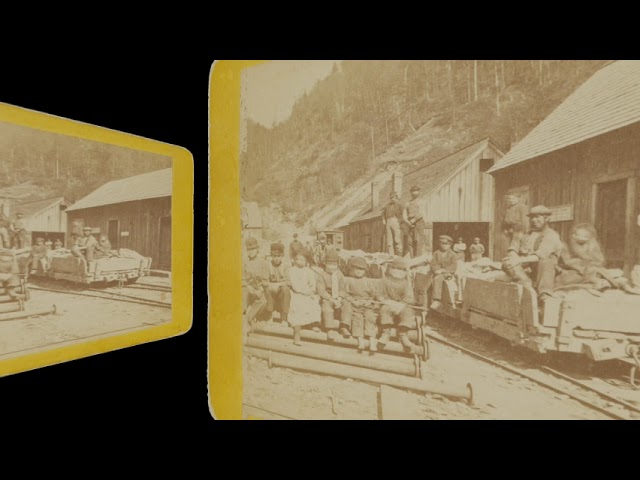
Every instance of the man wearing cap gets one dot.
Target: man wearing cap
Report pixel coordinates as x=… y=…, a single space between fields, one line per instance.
x=414 y=218
x=19 y=230
x=320 y=250
x=331 y=288
x=396 y=296
x=276 y=289
x=87 y=243
x=294 y=247
x=532 y=259
x=255 y=274
x=391 y=219
x=443 y=267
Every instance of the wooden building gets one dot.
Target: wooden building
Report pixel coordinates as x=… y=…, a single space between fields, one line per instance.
x=45 y=218
x=134 y=212
x=583 y=162
x=456 y=192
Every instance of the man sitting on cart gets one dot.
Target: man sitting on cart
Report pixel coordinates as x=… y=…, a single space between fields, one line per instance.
x=39 y=256
x=85 y=245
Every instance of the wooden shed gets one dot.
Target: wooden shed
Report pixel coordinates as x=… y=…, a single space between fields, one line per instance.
x=583 y=162
x=134 y=212
x=457 y=195
x=45 y=218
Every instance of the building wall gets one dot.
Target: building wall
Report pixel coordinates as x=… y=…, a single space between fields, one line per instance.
x=50 y=220
x=569 y=176
x=141 y=219
x=366 y=235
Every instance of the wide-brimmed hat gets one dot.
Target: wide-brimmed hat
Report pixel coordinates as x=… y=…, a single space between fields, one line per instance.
x=331 y=256
x=539 y=210
x=251 y=243
x=277 y=249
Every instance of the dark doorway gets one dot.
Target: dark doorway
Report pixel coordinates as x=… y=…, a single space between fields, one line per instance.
x=467 y=230
x=164 y=262
x=611 y=208
x=113 y=232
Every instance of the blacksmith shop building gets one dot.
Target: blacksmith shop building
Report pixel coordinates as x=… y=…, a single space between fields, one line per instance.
x=583 y=161
x=457 y=195
x=134 y=212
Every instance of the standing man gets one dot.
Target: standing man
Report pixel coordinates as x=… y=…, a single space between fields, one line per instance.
x=5 y=226
x=391 y=218
x=533 y=258
x=320 y=250
x=20 y=232
x=294 y=248
x=514 y=224
x=414 y=218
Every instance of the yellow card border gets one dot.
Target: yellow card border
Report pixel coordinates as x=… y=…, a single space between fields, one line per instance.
x=225 y=240
x=181 y=241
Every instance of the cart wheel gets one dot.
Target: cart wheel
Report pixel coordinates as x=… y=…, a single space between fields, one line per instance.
x=418 y=364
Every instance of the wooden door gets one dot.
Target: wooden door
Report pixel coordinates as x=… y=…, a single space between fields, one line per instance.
x=611 y=207
x=164 y=262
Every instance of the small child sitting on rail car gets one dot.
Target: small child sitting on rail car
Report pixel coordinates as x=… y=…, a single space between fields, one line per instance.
x=331 y=289
x=361 y=293
x=396 y=295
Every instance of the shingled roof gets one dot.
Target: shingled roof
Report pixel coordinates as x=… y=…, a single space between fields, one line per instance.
x=607 y=101
x=428 y=176
x=140 y=187
x=30 y=209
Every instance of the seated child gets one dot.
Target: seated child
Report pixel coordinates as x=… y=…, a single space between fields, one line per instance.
x=396 y=294
x=331 y=289
x=360 y=293
x=443 y=266
x=277 y=290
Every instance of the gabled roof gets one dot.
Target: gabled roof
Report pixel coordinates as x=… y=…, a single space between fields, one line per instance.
x=140 y=187
x=609 y=100
x=428 y=176
x=29 y=209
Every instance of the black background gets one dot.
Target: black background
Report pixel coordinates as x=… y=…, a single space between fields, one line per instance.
x=160 y=385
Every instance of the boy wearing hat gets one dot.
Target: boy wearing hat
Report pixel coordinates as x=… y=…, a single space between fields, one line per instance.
x=361 y=293
x=391 y=219
x=276 y=289
x=396 y=294
x=533 y=258
x=414 y=218
x=255 y=274
x=443 y=266
x=331 y=288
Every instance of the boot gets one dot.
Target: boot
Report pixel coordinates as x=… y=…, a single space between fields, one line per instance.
x=344 y=331
x=407 y=343
x=373 y=345
x=361 y=344
x=296 y=336
x=384 y=338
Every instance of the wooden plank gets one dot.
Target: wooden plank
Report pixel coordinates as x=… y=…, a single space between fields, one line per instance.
x=602 y=315
x=496 y=298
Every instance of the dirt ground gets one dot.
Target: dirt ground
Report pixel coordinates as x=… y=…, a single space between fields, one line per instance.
x=276 y=393
x=79 y=318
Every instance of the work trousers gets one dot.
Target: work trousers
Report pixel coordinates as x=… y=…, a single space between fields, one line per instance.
x=361 y=321
x=406 y=317
x=20 y=239
x=5 y=240
x=278 y=299
x=253 y=302
x=435 y=282
x=331 y=316
x=394 y=236
x=416 y=239
x=542 y=275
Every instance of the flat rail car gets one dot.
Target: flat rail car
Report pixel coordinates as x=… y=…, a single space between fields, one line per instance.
x=127 y=267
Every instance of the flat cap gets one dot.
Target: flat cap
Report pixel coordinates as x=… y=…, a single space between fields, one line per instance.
x=251 y=243
x=331 y=256
x=277 y=249
x=87 y=228
x=399 y=263
x=358 y=262
x=445 y=238
x=539 y=210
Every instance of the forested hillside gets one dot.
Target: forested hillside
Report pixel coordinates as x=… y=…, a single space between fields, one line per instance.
x=59 y=165
x=365 y=112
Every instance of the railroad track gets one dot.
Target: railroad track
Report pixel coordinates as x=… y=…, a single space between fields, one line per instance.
x=107 y=296
x=558 y=382
x=156 y=288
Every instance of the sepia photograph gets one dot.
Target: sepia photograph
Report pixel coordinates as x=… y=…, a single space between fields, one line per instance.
x=421 y=239
x=85 y=240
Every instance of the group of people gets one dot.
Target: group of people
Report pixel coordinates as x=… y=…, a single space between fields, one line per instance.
x=404 y=225
x=13 y=233
x=314 y=292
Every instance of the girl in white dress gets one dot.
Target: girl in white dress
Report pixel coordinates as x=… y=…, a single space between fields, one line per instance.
x=305 y=301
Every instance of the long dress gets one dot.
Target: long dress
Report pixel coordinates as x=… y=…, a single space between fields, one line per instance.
x=305 y=302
